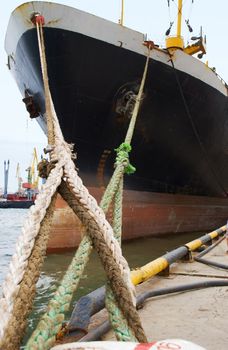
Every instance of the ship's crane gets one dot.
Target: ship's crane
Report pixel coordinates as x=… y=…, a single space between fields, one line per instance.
x=32 y=178
x=34 y=173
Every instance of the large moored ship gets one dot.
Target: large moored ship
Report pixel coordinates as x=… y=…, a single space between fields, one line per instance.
x=180 y=142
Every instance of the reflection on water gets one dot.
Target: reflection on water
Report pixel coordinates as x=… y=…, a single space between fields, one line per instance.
x=137 y=253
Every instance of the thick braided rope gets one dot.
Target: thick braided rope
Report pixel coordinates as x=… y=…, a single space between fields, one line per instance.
x=61 y=300
x=60 y=141
x=118 y=212
x=65 y=153
x=50 y=324
x=49 y=103
x=119 y=325
x=136 y=324
x=24 y=246
x=48 y=328
x=90 y=206
x=23 y=305
x=109 y=251
x=12 y=299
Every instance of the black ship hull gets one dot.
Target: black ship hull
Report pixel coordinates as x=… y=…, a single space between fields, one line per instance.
x=180 y=143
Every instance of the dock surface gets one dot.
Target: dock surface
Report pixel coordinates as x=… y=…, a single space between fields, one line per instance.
x=199 y=316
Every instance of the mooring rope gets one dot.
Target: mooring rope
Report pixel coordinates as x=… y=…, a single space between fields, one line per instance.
x=59 y=136
x=117 y=319
x=14 y=285
x=100 y=232
x=115 y=187
x=27 y=289
x=55 y=119
x=23 y=288
x=49 y=120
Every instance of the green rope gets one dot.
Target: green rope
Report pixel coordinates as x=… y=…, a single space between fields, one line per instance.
x=119 y=323
x=123 y=157
x=112 y=187
x=122 y=331
x=50 y=324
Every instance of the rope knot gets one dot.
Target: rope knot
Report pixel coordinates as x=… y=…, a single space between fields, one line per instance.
x=123 y=158
x=44 y=167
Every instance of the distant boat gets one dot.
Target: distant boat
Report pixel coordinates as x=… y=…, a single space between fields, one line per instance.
x=16 y=203
x=17 y=200
x=27 y=191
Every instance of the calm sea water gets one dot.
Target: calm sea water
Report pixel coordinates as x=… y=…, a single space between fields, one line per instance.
x=137 y=253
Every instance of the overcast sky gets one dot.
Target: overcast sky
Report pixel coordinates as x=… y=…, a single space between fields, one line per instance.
x=19 y=134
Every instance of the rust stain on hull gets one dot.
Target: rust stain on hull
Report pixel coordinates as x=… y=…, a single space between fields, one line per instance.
x=27 y=9
x=24 y=10
x=144 y=214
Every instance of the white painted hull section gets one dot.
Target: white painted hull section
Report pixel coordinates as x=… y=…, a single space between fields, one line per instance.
x=68 y=18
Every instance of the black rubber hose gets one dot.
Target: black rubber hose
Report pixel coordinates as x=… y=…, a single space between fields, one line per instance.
x=91 y=303
x=183 y=288
x=105 y=326
x=198 y=258
x=212 y=263
x=97 y=333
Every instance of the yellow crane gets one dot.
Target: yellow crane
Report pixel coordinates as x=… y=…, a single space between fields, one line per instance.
x=33 y=177
x=34 y=173
x=176 y=42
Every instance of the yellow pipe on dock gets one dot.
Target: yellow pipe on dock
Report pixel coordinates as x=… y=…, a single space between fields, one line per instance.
x=214 y=234
x=193 y=245
x=151 y=269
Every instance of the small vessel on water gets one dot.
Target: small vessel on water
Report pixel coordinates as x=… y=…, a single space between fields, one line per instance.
x=15 y=201
x=26 y=192
x=180 y=142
